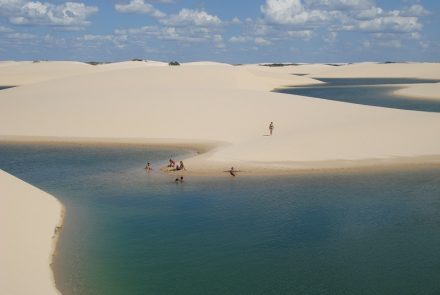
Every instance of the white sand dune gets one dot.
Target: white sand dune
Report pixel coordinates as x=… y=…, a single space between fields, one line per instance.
x=227 y=104
x=375 y=70
x=28 y=218
x=28 y=72
x=129 y=65
x=430 y=91
x=205 y=63
x=21 y=73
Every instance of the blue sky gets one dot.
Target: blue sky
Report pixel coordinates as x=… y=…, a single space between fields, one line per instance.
x=234 y=31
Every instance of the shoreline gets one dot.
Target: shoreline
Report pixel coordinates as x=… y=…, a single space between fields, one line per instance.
x=201 y=166
x=199 y=146
x=55 y=239
x=34 y=217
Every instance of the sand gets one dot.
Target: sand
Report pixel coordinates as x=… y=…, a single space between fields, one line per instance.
x=376 y=70
x=28 y=72
x=229 y=104
x=28 y=219
x=221 y=110
x=430 y=91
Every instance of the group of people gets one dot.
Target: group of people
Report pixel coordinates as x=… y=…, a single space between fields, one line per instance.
x=172 y=164
x=179 y=167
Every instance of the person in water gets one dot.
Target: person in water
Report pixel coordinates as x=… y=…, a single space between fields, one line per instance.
x=177 y=180
x=148 y=167
x=271 y=127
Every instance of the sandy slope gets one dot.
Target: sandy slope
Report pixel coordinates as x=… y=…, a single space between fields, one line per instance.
x=27 y=72
x=372 y=70
x=28 y=217
x=431 y=91
x=228 y=104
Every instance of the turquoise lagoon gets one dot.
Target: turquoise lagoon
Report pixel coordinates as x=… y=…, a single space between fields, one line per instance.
x=131 y=232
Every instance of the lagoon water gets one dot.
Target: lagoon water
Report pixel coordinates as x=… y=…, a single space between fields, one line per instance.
x=368 y=91
x=131 y=232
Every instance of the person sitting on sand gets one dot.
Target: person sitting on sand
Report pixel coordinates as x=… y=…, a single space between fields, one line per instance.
x=148 y=167
x=179 y=167
x=172 y=164
x=271 y=127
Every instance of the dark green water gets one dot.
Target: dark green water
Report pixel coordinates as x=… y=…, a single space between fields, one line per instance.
x=129 y=232
x=368 y=91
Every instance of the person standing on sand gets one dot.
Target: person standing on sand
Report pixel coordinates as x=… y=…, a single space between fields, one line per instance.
x=271 y=127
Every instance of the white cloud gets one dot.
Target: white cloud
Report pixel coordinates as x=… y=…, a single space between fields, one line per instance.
x=21 y=36
x=291 y=12
x=90 y=37
x=391 y=23
x=304 y=34
x=339 y=4
x=390 y=44
x=342 y=15
x=239 y=39
x=90 y=40
x=187 y=34
x=248 y=39
x=416 y=10
x=192 y=17
x=139 y=6
x=68 y=14
x=5 y=30
x=262 y=41
x=424 y=44
x=236 y=21
x=369 y=13
x=331 y=37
